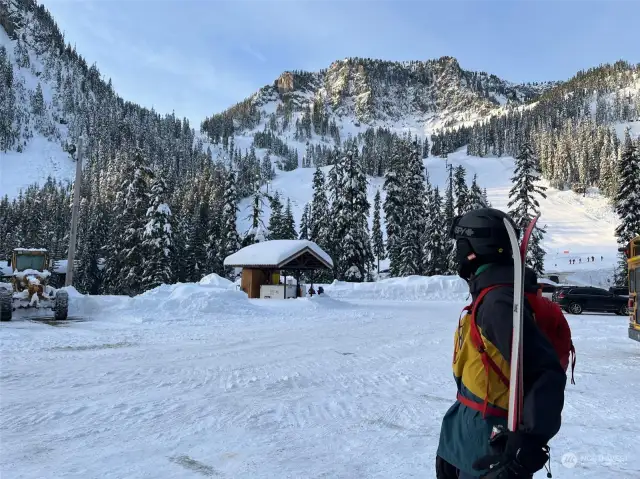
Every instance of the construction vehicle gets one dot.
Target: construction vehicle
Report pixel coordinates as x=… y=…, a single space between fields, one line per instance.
x=632 y=252
x=29 y=286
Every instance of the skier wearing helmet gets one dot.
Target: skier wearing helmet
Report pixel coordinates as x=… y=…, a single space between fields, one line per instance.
x=481 y=364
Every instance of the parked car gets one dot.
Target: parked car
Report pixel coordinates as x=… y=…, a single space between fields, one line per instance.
x=620 y=290
x=575 y=300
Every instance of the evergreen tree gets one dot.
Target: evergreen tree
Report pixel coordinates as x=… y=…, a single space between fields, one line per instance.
x=377 y=241
x=318 y=216
x=436 y=244
x=476 y=197
x=276 y=220
x=448 y=215
x=627 y=199
x=393 y=210
x=414 y=217
x=229 y=240
x=356 y=256
x=304 y=224
x=257 y=232
x=158 y=238
x=523 y=204
x=461 y=191
x=288 y=223
x=126 y=254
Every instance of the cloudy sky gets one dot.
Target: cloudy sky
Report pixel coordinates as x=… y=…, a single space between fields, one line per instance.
x=197 y=57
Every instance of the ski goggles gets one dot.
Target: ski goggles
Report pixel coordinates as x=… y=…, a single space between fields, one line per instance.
x=456 y=231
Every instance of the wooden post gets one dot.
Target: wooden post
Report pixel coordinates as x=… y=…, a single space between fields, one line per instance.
x=74 y=214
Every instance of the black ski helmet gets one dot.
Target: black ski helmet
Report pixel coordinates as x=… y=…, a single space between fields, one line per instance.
x=481 y=238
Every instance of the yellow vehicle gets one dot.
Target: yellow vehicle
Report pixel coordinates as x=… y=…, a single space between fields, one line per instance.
x=29 y=287
x=632 y=251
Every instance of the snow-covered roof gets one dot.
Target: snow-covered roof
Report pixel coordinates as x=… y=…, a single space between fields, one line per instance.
x=276 y=253
x=24 y=250
x=542 y=280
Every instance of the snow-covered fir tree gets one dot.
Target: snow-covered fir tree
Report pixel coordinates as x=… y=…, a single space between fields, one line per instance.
x=229 y=240
x=523 y=204
x=288 y=223
x=318 y=216
x=436 y=241
x=276 y=219
x=356 y=257
x=414 y=217
x=448 y=214
x=377 y=240
x=394 y=210
x=304 y=224
x=125 y=257
x=476 y=198
x=627 y=199
x=158 y=238
x=460 y=190
x=258 y=231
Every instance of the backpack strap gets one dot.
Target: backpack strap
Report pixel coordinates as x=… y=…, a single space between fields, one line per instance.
x=488 y=363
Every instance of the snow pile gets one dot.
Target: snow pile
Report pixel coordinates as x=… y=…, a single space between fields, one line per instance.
x=411 y=288
x=31 y=273
x=177 y=299
x=214 y=280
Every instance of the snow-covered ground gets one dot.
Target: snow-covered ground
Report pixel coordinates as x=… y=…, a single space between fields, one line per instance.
x=195 y=380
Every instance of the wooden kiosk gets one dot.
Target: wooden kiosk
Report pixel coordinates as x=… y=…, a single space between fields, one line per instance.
x=263 y=264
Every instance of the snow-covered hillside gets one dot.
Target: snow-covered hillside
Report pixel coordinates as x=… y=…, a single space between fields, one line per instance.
x=581 y=225
x=191 y=381
x=37 y=155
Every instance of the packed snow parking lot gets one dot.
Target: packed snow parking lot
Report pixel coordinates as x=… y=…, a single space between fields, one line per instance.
x=195 y=380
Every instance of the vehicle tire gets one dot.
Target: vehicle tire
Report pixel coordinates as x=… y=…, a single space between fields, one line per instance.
x=6 y=305
x=575 y=308
x=61 y=305
x=624 y=310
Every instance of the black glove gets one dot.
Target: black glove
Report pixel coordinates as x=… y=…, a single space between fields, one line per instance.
x=522 y=455
x=444 y=470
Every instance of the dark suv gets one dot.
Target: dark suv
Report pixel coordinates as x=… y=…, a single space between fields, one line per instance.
x=620 y=290
x=583 y=298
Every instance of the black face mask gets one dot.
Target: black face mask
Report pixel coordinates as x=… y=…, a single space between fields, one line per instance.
x=465 y=258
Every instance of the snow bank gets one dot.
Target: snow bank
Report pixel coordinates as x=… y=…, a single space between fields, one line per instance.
x=216 y=281
x=177 y=299
x=411 y=288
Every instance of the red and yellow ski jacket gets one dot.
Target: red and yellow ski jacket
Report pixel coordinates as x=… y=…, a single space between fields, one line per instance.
x=482 y=375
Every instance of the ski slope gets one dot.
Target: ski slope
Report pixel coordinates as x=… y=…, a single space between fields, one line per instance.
x=579 y=225
x=191 y=381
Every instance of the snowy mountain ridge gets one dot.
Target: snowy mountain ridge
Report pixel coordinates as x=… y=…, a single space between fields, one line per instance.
x=359 y=91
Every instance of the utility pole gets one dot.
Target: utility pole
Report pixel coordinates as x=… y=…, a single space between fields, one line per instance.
x=74 y=214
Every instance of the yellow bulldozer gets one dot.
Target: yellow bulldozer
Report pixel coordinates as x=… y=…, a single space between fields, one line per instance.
x=29 y=287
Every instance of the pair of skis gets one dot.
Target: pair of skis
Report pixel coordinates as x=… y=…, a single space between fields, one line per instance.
x=515 y=378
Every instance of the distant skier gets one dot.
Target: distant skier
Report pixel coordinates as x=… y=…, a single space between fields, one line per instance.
x=580 y=260
x=593 y=259
x=587 y=259
x=601 y=258
x=482 y=351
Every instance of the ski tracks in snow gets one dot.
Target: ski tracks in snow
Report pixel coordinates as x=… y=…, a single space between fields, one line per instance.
x=349 y=390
